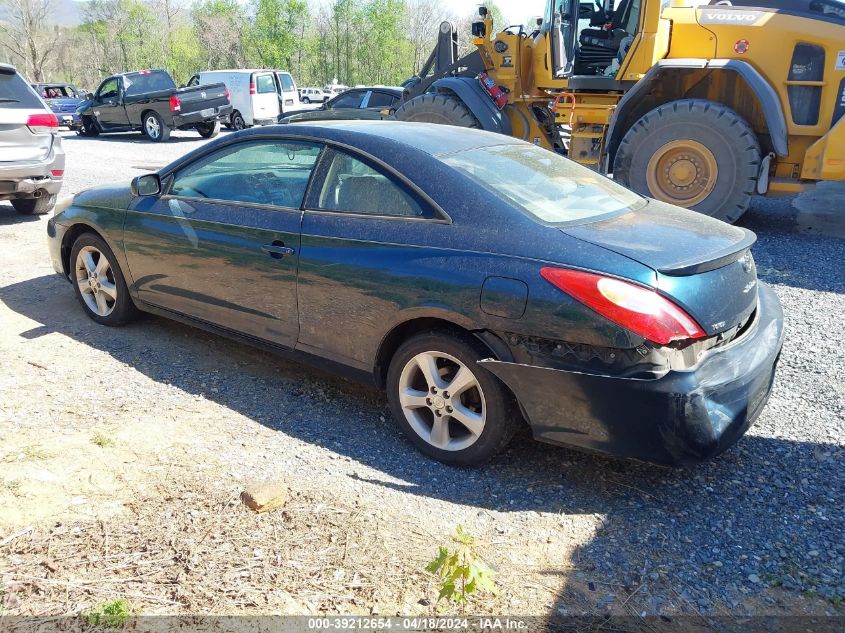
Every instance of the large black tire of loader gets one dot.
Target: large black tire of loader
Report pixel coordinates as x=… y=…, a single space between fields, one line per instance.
x=690 y=129
x=436 y=108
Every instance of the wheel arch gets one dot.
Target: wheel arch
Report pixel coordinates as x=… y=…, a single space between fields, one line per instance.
x=472 y=95
x=412 y=325
x=71 y=235
x=733 y=83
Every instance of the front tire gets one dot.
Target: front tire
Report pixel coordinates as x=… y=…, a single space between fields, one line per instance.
x=209 y=129
x=155 y=128
x=436 y=108
x=692 y=153
x=98 y=282
x=448 y=406
x=34 y=206
x=89 y=127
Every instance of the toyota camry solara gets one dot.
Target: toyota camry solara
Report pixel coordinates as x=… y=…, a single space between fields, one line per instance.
x=482 y=281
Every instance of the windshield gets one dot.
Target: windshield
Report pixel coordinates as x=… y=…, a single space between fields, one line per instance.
x=545 y=184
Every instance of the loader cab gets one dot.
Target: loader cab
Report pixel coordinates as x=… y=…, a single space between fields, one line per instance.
x=590 y=37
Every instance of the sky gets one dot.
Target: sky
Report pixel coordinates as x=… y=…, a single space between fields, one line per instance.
x=516 y=11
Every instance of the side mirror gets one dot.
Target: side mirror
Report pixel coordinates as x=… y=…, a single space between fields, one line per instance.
x=478 y=29
x=89 y=95
x=146 y=185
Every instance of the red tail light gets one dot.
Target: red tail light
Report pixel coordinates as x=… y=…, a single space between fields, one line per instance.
x=57 y=173
x=227 y=93
x=175 y=104
x=42 y=123
x=252 y=87
x=638 y=309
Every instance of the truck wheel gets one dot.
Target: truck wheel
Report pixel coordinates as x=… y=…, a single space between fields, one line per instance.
x=436 y=108
x=692 y=153
x=155 y=128
x=34 y=206
x=238 y=122
x=89 y=127
x=209 y=129
x=306 y=100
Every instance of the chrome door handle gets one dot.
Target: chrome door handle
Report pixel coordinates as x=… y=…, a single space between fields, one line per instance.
x=277 y=250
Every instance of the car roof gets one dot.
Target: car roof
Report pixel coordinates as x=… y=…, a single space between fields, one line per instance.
x=430 y=138
x=7 y=69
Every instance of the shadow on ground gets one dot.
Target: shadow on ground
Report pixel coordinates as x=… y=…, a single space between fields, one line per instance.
x=719 y=525
x=9 y=216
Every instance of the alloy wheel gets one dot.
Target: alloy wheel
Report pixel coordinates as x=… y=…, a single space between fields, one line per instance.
x=152 y=127
x=96 y=282
x=442 y=401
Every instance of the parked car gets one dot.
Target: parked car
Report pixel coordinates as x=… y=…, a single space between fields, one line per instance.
x=356 y=103
x=334 y=89
x=257 y=96
x=312 y=95
x=32 y=161
x=612 y=322
x=63 y=100
x=149 y=101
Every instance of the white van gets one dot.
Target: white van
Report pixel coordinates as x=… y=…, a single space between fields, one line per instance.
x=257 y=96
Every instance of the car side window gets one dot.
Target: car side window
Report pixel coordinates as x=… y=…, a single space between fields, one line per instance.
x=259 y=172
x=287 y=82
x=348 y=100
x=355 y=186
x=109 y=90
x=381 y=100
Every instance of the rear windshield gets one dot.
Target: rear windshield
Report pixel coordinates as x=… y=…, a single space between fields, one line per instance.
x=16 y=93
x=545 y=184
x=153 y=81
x=265 y=84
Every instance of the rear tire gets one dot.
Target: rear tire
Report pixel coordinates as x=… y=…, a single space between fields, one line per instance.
x=238 y=122
x=692 y=153
x=155 y=128
x=466 y=427
x=106 y=300
x=306 y=100
x=209 y=129
x=34 y=206
x=436 y=108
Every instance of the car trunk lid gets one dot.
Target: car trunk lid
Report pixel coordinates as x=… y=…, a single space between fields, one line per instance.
x=703 y=264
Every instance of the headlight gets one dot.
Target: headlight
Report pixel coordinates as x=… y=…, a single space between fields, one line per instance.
x=63 y=203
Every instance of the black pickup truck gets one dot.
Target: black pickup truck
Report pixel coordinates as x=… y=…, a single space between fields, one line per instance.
x=148 y=100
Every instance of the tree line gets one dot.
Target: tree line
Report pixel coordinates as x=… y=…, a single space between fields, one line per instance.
x=352 y=41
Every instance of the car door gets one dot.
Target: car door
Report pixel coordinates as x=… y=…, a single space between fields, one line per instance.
x=265 y=99
x=358 y=261
x=108 y=106
x=288 y=94
x=221 y=245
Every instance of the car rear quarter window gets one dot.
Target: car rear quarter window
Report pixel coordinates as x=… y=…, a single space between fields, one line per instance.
x=551 y=188
x=352 y=185
x=258 y=172
x=381 y=100
x=16 y=93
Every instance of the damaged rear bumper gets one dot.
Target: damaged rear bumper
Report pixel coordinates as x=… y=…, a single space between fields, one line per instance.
x=682 y=418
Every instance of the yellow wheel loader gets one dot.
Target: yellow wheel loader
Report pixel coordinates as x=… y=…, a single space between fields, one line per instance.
x=699 y=105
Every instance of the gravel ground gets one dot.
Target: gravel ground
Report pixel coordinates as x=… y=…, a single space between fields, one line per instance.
x=758 y=530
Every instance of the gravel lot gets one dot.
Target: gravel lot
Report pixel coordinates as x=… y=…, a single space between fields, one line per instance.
x=190 y=417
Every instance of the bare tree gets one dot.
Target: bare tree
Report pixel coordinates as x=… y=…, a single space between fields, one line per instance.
x=27 y=36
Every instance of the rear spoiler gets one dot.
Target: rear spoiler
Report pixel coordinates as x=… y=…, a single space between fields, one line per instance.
x=722 y=258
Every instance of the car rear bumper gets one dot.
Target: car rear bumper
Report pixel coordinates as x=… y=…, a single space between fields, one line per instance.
x=680 y=419
x=21 y=179
x=192 y=118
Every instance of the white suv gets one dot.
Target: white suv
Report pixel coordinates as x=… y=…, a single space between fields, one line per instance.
x=32 y=161
x=312 y=95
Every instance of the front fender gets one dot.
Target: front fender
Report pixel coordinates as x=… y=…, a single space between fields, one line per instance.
x=468 y=90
